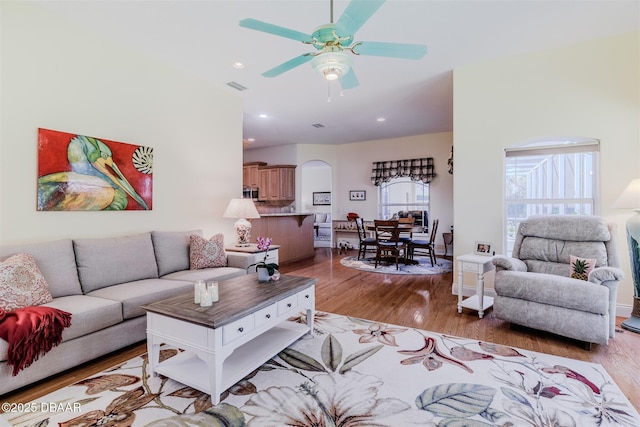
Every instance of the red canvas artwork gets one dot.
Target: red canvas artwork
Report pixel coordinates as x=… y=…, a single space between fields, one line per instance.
x=82 y=173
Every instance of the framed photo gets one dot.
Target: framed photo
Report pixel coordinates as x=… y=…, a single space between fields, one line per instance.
x=357 y=195
x=483 y=248
x=321 y=198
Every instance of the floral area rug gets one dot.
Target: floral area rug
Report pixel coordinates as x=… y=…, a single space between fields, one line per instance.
x=355 y=372
x=423 y=267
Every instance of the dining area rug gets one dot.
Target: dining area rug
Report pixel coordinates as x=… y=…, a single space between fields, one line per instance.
x=423 y=265
x=354 y=372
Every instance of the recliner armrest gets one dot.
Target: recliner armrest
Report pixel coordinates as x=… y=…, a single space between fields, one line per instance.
x=605 y=274
x=508 y=263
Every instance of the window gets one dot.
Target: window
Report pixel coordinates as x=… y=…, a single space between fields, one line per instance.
x=550 y=177
x=402 y=195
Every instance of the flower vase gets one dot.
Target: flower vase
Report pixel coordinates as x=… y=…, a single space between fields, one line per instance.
x=263 y=274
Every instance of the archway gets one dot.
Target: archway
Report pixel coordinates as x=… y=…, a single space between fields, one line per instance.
x=315 y=178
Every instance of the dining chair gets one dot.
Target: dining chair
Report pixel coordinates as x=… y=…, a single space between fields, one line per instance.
x=365 y=241
x=405 y=234
x=429 y=246
x=387 y=240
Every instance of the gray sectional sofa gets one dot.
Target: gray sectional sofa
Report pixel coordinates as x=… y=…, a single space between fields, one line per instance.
x=102 y=283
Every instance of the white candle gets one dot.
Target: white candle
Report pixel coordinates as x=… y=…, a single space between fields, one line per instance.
x=205 y=298
x=213 y=291
x=197 y=291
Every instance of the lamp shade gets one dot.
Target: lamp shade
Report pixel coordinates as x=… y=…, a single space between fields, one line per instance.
x=241 y=208
x=630 y=197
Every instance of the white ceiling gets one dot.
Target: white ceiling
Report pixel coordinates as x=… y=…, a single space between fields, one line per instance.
x=203 y=38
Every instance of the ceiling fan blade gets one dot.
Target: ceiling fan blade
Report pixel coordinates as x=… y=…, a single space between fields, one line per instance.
x=392 y=50
x=349 y=80
x=286 y=66
x=355 y=15
x=265 y=27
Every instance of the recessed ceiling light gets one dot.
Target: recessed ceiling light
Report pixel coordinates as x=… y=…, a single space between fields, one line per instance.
x=263 y=115
x=239 y=65
x=380 y=119
x=251 y=139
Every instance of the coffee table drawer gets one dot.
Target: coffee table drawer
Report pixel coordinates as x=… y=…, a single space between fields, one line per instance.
x=265 y=315
x=235 y=330
x=305 y=297
x=287 y=304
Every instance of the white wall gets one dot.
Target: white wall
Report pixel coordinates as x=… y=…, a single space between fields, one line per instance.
x=590 y=89
x=60 y=76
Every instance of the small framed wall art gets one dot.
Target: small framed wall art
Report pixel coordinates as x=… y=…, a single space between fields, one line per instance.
x=357 y=195
x=483 y=248
x=321 y=198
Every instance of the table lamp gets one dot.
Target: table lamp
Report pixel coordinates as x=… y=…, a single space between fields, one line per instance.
x=242 y=209
x=630 y=199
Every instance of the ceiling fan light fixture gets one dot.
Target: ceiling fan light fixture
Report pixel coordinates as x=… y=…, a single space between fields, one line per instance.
x=332 y=65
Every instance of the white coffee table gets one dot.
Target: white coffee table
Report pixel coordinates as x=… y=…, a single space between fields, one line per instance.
x=230 y=339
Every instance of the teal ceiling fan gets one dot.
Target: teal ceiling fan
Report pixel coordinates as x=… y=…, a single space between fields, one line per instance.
x=333 y=40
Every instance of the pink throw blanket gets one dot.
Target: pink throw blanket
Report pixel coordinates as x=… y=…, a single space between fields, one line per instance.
x=31 y=332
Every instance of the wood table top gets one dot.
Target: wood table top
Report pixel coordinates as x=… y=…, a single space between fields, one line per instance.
x=239 y=297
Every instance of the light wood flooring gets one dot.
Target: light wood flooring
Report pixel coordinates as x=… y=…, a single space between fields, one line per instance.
x=423 y=302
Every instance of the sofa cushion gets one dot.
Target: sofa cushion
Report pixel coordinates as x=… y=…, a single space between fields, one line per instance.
x=553 y=256
x=133 y=295
x=56 y=261
x=172 y=250
x=217 y=273
x=88 y=314
x=21 y=283
x=205 y=253
x=578 y=228
x=109 y=261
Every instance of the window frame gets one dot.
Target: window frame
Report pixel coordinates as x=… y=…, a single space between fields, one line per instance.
x=551 y=149
x=413 y=206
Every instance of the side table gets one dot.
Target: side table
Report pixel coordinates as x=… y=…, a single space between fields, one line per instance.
x=255 y=254
x=479 y=265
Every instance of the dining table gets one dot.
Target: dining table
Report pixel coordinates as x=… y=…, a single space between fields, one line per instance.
x=403 y=227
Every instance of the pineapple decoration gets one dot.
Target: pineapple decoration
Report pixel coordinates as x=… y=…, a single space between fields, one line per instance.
x=580 y=269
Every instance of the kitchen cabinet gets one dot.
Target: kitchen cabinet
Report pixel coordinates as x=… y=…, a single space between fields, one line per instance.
x=251 y=174
x=277 y=183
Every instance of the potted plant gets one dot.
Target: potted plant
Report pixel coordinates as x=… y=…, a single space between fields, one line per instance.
x=264 y=269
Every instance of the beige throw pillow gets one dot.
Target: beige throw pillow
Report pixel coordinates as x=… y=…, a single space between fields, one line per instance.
x=21 y=283
x=205 y=253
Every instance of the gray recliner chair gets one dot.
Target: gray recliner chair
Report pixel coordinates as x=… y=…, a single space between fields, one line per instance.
x=534 y=288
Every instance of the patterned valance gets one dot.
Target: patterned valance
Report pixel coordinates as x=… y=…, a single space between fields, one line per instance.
x=416 y=169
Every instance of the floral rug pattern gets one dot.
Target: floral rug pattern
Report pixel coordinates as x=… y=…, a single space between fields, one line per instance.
x=423 y=267
x=352 y=373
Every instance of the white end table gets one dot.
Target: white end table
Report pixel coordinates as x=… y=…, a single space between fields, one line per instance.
x=479 y=265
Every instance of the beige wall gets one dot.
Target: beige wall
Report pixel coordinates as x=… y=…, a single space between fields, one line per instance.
x=59 y=76
x=585 y=90
x=351 y=170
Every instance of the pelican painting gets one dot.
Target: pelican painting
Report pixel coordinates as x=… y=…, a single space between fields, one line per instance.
x=77 y=172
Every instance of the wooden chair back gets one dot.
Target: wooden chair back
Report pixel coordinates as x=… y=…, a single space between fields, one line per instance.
x=386 y=231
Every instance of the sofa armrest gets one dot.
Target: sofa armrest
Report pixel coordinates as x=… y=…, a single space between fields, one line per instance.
x=605 y=274
x=508 y=263
x=239 y=259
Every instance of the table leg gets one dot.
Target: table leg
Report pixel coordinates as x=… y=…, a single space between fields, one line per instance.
x=480 y=293
x=310 y=314
x=460 y=275
x=153 y=352
x=214 y=370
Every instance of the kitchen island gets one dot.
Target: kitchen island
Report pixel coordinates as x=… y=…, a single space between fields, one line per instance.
x=292 y=231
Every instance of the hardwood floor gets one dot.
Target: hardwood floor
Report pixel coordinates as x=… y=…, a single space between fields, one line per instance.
x=423 y=302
